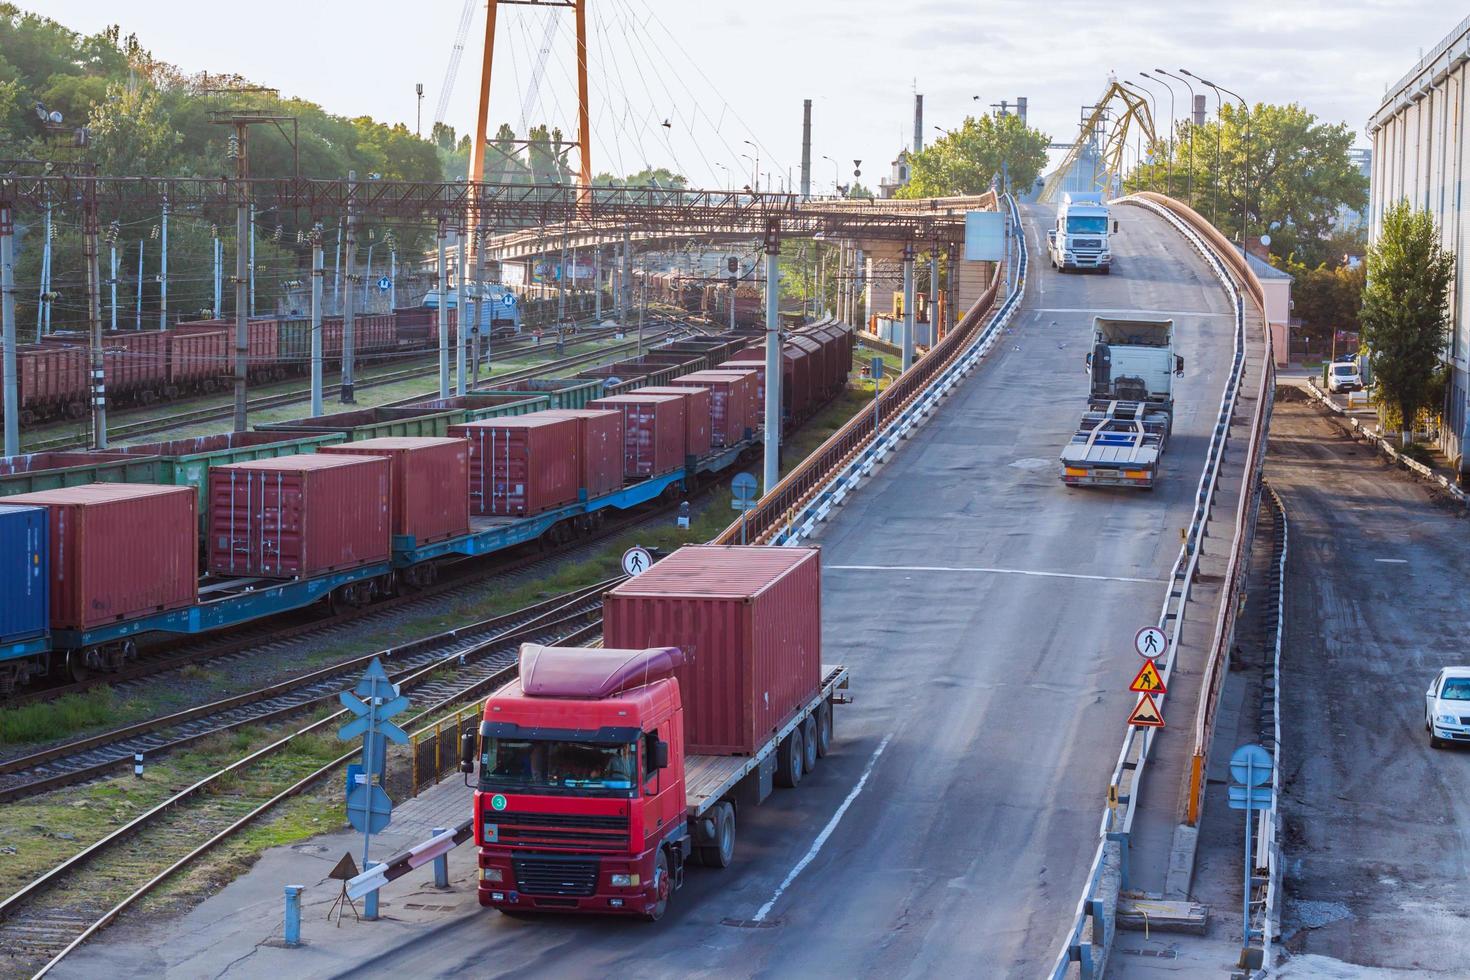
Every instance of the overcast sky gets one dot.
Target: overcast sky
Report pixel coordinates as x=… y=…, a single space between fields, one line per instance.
x=724 y=72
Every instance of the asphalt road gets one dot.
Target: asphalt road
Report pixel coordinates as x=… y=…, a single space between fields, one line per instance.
x=1377 y=841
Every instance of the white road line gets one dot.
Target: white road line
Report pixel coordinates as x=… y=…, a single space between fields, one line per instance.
x=817 y=844
x=1393 y=561
x=996 y=571
x=1095 y=312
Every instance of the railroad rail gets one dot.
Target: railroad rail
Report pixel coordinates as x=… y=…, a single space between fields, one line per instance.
x=160 y=841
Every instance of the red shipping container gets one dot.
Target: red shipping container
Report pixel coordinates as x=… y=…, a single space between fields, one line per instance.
x=759 y=367
x=732 y=402
x=118 y=551
x=818 y=369
x=521 y=465
x=195 y=357
x=653 y=432
x=749 y=620
x=430 y=481
x=299 y=516
x=697 y=415
x=600 y=447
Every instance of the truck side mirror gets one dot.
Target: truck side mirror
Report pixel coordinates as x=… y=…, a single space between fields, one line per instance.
x=1115 y=227
x=1178 y=364
x=467 y=752
x=660 y=754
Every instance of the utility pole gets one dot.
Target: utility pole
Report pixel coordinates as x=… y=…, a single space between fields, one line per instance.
x=561 y=274
x=138 y=293
x=441 y=297
x=908 y=306
x=163 y=271
x=349 y=308
x=627 y=281
x=317 y=273
x=43 y=309
x=642 y=304
x=482 y=322
x=418 y=128
x=252 y=259
x=464 y=321
x=934 y=295
x=597 y=283
x=219 y=272
x=772 y=468
x=7 y=329
x=112 y=267
x=243 y=210
x=94 y=315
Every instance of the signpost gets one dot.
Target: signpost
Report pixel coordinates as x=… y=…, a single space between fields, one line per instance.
x=373 y=701
x=1250 y=789
x=636 y=561
x=384 y=284
x=1150 y=642
x=742 y=497
x=1146 y=713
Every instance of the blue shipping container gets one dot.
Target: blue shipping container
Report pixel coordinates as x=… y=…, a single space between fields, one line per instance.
x=25 y=599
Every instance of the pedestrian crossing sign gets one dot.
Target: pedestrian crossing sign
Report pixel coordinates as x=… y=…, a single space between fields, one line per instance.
x=1148 y=680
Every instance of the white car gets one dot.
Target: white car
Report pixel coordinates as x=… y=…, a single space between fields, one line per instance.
x=1447 y=707
x=1344 y=376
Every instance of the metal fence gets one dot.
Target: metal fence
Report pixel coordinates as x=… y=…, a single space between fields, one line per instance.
x=434 y=750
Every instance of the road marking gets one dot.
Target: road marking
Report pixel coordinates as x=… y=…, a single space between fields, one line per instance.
x=826 y=832
x=996 y=571
x=1095 y=312
x=1393 y=561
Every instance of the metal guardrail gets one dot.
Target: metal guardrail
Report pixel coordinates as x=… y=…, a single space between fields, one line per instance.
x=1091 y=934
x=770 y=514
x=1269 y=925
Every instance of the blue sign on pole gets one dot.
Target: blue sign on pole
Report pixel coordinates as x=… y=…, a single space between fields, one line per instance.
x=508 y=299
x=1250 y=789
x=384 y=283
x=369 y=809
x=373 y=701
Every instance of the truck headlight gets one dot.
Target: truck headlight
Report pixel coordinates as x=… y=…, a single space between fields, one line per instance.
x=625 y=881
x=492 y=874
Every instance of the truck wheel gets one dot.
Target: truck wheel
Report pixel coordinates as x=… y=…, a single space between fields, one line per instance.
x=824 y=728
x=662 y=886
x=789 y=757
x=809 y=744
x=722 y=852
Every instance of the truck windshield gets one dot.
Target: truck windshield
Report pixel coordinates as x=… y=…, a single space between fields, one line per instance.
x=536 y=765
x=1087 y=225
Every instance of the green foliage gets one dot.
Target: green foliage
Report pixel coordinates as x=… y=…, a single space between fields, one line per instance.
x=858 y=192
x=965 y=160
x=1326 y=297
x=1299 y=176
x=1405 y=316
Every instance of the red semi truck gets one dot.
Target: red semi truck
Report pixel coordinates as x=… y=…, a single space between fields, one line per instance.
x=605 y=772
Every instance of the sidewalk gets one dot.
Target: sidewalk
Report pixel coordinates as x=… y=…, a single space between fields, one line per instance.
x=238 y=931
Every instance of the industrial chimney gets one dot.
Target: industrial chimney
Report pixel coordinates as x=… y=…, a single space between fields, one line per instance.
x=918 y=122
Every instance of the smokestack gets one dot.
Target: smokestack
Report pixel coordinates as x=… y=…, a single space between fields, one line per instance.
x=1021 y=108
x=918 y=122
x=1199 y=110
x=806 y=149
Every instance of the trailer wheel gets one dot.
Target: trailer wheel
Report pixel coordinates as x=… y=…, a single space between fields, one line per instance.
x=722 y=852
x=809 y=744
x=789 y=757
x=824 y=728
x=662 y=887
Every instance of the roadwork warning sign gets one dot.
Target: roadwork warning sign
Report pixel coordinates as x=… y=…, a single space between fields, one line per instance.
x=1146 y=713
x=1148 y=680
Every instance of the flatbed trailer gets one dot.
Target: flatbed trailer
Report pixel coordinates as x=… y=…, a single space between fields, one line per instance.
x=1117 y=444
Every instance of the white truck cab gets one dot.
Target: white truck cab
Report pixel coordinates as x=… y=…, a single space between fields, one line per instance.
x=1080 y=239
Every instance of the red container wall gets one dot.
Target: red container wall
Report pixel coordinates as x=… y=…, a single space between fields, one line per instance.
x=133 y=361
x=817 y=371
x=600 y=447
x=697 y=417
x=430 y=481
x=118 y=551
x=759 y=367
x=653 y=432
x=521 y=465
x=298 y=516
x=194 y=357
x=749 y=622
x=263 y=343
x=731 y=395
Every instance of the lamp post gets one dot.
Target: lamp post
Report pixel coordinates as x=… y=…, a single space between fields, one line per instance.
x=756 y=177
x=729 y=184
x=755 y=180
x=1245 y=180
x=1153 y=112
x=1219 y=125
x=1169 y=161
x=1189 y=178
x=836 y=173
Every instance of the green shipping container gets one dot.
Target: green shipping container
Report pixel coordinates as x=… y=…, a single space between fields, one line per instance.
x=563 y=392
x=186 y=462
x=486 y=405
x=48 y=471
x=374 y=423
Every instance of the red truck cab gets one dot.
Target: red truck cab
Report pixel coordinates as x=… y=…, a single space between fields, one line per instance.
x=580 y=805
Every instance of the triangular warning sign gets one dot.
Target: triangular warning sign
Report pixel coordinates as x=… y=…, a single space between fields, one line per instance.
x=345 y=870
x=1148 y=680
x=1146 y=713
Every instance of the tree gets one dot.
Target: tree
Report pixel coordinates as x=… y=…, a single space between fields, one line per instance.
x=131 y=131
x=1300 y=175
x=965 y=160
x=1326 y=298
x=1405 y=314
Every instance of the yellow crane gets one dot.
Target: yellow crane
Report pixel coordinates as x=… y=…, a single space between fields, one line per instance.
x=1106 y=131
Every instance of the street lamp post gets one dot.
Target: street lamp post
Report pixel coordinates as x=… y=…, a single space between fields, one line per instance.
x=1245 y=206
x=1189 y=177
x=756 y=179
x=729 y=185
x=1169 y=161
x=1153 y=114
x=836 y=173
x=1219 y=125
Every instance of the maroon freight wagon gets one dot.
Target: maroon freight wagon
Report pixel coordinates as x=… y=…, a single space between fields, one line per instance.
x=197 y=359
x=759 y=367
x=749 y=623
x=697 y=417
x=118 y=551
x=653 y=432
x=263 y=345
x=732 y=397
x=521 y=465
x=53 y=381
x=299 y=516
x=600 y=449
x=430 y=480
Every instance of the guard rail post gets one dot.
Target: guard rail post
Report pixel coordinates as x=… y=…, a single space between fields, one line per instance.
x=293 y=915
x=441 y=863
x=370 y=900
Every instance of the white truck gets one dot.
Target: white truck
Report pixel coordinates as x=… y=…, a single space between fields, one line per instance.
x=1080 y=238
x=1130 y=408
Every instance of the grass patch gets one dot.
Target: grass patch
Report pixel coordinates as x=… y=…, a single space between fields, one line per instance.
x=47 y=720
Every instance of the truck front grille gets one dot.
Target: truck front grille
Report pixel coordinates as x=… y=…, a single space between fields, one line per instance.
x=560 y=830
x=560 y=877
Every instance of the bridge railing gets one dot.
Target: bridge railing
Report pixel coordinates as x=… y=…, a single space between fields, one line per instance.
x=774 y=510
x=1091 y=934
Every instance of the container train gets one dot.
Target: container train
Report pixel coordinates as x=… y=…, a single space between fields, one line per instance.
x=243 y=526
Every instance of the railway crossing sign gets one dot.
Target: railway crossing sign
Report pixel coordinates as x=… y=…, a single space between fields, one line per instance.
x=1148 y=681
x=1150 y=642
x=636 y=560
x=1146 y=713
x=373 y=701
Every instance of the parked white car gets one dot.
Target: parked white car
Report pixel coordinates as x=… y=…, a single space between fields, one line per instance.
x=1447 y=707
x=1344 y=376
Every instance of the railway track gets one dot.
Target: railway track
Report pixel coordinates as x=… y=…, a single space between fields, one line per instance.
x=197 y=416
x=57 y=911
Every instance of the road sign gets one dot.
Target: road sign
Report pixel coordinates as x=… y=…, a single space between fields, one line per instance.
x=744 y=487
x=1150 y=642
x=1260 y=797
x=738 y=504
x=636 y=561
x=369 y=809
x=1148 y=680
x=384 y=283
x=508 y=299
x=1146 y=713
x=1251 y=765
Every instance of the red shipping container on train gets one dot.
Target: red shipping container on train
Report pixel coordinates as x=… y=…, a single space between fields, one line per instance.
x=521 y=465
x=430 y=481
x=749 y=623
x=118 y=550
x=299 y=516
x=600 y=448
x=797 y=390
x=697 y=417
x=732 y=398
x=653 y=432
x=758 y=410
